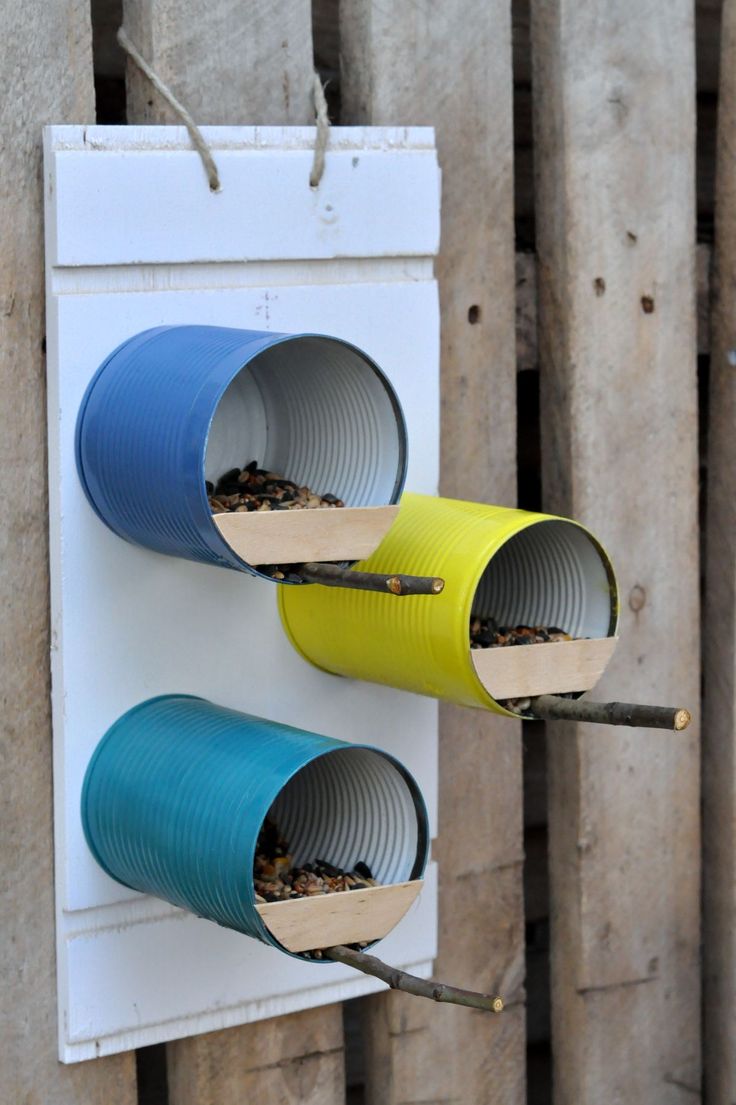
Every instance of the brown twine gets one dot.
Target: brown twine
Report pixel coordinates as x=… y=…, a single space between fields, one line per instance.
x=323 y=132
x=208 y=161
x=195 y=133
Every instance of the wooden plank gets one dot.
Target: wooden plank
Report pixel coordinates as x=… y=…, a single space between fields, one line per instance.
x=551 y=668
x=428 y=62
x=719 y=660
x=345 y=918
x=615 y=144
x=49 y=55
x=293 y=537
x=295 y=1060
x=241 y=63
x=527 y=355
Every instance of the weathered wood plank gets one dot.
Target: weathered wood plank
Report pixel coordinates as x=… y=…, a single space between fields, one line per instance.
x=46 y=58
x=615 y=144
x=719 y=730
x=235 y=63
x=294 y=1060
x=239 y=63
x=427 y=62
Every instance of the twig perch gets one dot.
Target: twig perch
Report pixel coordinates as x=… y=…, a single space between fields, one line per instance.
x=410 y=984
x=552 y=708
x=331 y=575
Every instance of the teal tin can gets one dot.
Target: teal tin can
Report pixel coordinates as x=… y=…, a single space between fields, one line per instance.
x=178 y=789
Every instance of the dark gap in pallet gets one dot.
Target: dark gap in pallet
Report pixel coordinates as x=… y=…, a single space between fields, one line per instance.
x=536 y=913
x=539 y=1074
x=523 y=128
x=707 y=65
x=528 y=441
x=352 y=1024
x=705 y=161
x=536 y=869
x=326 y=48
x=110 y=101
x=150 y=1066
x=703 y=417
x=109 y=62
x=524 y=221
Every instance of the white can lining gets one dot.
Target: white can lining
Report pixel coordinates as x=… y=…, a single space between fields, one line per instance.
x=549 y=574
x=316 y=412
x=349 y=805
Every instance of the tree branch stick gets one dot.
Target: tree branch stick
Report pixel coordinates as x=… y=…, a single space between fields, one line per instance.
x=331 y=575
x=410 y=984
x=552 y=708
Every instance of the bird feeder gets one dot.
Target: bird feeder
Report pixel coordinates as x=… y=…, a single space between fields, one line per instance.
x=176 y=406
x=178 y=789
x=512 y=565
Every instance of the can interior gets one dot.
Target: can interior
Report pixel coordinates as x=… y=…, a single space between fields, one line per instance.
x=315 y=411
x=349 y=805
x=552 y=574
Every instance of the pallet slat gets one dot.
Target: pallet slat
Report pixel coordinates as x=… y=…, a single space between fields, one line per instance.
x=430 y=63
x=614 y=153
x=719 y=666
x=49 y=54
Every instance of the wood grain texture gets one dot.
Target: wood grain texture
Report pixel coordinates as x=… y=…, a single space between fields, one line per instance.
x=296 y=536
x=46 y=59
x=239 y=63
x=429 y=63
x=347 y=918
x=232 y=62
x=527 y=355
x=719 y=654
x=294 y=1060
x=614 y=129
x=552 y=668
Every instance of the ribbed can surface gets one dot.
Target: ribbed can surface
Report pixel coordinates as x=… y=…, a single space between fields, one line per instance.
x=176 y=405
x=520 y=567
x=178 y=788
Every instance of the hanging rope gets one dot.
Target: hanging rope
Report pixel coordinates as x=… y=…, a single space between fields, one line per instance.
x=195 y=133
x=323 y=132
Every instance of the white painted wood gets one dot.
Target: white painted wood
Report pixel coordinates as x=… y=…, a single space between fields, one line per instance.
x=132 y=984
x=549 y=668
x=295 y=536
x=128 y=623
x=365 y=206
x=345 y=918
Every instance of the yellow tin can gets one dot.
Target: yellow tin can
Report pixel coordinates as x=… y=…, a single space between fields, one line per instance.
x=516 y=566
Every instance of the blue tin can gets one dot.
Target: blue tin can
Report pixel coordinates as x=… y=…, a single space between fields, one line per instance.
x=178 y=788
x=176 y=405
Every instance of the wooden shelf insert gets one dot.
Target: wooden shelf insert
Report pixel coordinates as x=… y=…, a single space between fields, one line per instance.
x=344 y=918
x=298 y=536
x=520 y=671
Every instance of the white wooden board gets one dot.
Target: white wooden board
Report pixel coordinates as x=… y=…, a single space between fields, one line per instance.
x=128 y=623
